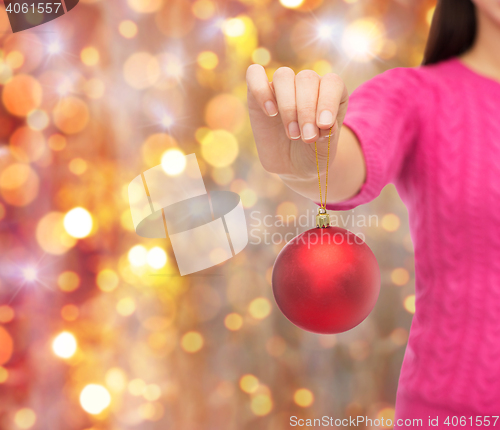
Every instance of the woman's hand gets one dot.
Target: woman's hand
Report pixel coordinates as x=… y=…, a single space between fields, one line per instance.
x=292 y=112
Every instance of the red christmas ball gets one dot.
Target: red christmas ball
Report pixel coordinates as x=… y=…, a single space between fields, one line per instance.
x=326 y=280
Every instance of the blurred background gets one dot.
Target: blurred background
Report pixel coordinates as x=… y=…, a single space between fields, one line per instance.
x=96 y=332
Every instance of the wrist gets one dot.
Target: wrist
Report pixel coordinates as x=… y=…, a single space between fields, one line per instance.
x=305 y=185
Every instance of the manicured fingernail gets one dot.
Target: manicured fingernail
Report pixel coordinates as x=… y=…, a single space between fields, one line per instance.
x=271 y=108
x=309 y=131
x=294 y=130
x=325 y=117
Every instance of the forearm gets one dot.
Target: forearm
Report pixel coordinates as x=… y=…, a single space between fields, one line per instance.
x=347 y=173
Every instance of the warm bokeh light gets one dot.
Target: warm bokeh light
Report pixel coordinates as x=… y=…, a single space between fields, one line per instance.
x=156 y=257
x=15 y=59
x=144 y=6
x=386 y=415
x=7 y=314
x=430 y=15
x=141 y=70
x=78 y=222
x=233 y=27
x=322 y=67
x=4 y=375
x=390 y=222
x=89 y=56
x=38 y=120
x=19 y=184
x=51 y=234
x=77 y=166
x=126 y=306
x=248 y=197
x=138 y=255
x=219 y=148
x=399 y=336
x=226 y=112
x=21 y=95
x=173 y=162
x=303 y=397
x=14 y=176
x=26 y=144
x=107 y=280
x=71 y=115
x=223 y=175
x=94 y=399
x=152 y=392
x=260 y=308
x=233 y=321
x=56 y=142
x=6 y=346
x=261 y=404
x=203 y=9
x=116 y=379
x=249 y=383
x=64 y=345
x=400 y=276
x=261 y=56
x=287 y=211
x=136 y=387
x=68 y=281
x=128 y=29
x=291 y=4
x=25 y=418
x=409 y=303
x=192 y=342
x=362 y=40
x=208 y=60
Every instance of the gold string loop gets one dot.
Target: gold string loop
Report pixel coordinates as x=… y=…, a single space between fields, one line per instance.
x=323 y=205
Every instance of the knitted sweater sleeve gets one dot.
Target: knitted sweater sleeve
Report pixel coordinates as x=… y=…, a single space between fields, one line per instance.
x=381 y=113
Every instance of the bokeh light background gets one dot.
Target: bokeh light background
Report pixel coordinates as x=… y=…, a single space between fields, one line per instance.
x=94 y=332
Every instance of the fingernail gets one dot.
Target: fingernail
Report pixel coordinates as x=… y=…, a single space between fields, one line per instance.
x=271 y=108
x=309 y=131
x=294 y=130
x=325 y=117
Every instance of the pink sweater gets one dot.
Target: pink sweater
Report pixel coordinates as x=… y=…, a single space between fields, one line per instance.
x=434 y=131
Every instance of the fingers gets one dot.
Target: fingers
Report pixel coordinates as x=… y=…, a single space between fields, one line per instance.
x=307 y=84
x=284 y=87
x=332 y=91
x=307 y=103
x=259 y=86
x=272 y=88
